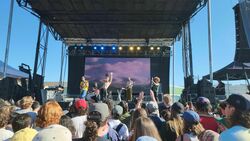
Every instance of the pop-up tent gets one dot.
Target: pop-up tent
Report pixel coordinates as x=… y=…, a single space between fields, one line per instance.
x=233 y=71
x=12 y=72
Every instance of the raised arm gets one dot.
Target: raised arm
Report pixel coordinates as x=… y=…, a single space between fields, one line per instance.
x=111 y=77
x=152 y=81
x=152 y=96
x=139 y=100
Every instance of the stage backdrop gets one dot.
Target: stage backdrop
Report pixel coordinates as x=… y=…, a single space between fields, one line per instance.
x=141 y=70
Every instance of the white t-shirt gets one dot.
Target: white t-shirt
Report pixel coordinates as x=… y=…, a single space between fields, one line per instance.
x=5 y=134
x=79 y=125
x=236 y=133
x=123 y=132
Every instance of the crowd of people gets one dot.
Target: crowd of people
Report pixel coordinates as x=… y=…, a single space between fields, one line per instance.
x=108 y=120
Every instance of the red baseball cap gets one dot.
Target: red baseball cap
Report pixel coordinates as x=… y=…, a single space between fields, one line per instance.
x=81 y=104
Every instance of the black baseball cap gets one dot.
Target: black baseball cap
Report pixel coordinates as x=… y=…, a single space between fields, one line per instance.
x=239 y=101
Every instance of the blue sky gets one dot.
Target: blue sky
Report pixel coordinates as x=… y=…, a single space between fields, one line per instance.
x=25 y=28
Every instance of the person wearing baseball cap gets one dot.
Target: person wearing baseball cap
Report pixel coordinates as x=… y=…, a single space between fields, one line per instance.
x=117 y=125
x=97 y=127
x=203 y=107
x=238 y=112
x=81 y=107
x=193 y=129
x=174 y=127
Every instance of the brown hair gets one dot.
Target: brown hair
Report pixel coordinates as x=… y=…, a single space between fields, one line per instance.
x=21 y=121
x=68 y=123
x=240 y=118
x=166 y=114
x=4 y=116
x=145 y=127
x=195 y=128
x=26 y=102
x=49 y=113
x=136 y=114
x=92 y=125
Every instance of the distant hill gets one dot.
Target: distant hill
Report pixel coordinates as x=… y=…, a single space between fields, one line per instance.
x=51 y=84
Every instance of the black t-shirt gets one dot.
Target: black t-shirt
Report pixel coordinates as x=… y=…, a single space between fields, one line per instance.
x=167 y=133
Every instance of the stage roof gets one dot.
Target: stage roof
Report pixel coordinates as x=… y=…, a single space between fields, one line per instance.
x=114 y=19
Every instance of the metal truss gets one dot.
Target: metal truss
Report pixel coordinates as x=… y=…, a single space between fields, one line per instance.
x=119 y=42
x=199 y=7
x=124 y=52
x=187 y=54
x=41 y=50
x=25 y=5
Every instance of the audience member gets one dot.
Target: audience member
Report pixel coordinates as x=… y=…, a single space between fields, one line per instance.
x=126 y=116
x=35 y=106
x=238 y=111
x=166 y=114
x=4 y=118
x=22 y=126
x=145 y=127
x=166 y=104
x=193 y=129
x=174 y=127
x=222 y=119
x=67 y=122
x=97 y=128
x=25 y=105
x=48 y=119
x=136 y=114
x=81 y=107
x=207 y=120
x=116 y=124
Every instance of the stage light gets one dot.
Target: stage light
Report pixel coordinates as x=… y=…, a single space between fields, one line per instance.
x=131 y=48
x=138 y=48
x=158 y=48
x=120 y=48
x=102 y=48
x=152 y=48
x=95 y=48
x=113 y=48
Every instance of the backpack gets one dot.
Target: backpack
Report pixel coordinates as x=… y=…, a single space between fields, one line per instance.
x=117 y=129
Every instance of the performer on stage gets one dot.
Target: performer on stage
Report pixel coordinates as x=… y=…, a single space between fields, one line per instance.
x=155 y=85
x=129 y=90
x=220 y=88
x=106 y=84
x=84 y=86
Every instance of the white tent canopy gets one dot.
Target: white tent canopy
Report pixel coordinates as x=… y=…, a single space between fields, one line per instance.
x=12 y=72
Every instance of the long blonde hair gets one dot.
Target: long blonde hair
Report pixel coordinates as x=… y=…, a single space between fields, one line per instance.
x=136 y=114
x=176 y=123
x=145 y=127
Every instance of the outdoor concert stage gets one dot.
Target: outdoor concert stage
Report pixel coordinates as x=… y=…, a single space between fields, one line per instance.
x=94 y=62
x=145 y=30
